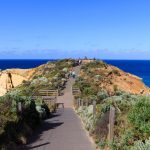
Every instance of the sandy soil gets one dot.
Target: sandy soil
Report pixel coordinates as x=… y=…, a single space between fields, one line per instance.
x=18 y=76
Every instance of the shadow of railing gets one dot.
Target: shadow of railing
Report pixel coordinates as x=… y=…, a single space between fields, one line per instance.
x=35 y=140
x=37 y=146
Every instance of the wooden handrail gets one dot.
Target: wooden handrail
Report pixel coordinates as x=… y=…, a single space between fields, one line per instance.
x=76 y=91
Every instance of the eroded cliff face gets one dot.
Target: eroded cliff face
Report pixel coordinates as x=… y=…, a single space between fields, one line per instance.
x=127 y=82
x=13 y=77
x=102 y=76
x=110 y=78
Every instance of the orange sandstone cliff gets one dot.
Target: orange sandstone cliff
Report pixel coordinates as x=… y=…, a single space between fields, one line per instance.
x=113 y=78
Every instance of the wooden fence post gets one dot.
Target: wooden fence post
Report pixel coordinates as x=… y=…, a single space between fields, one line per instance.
x=79 y=102
x=94 y=108
x=49 y=104
x=76 y=102
x=82 y=103
x=19 y=107
x=111 y=124
x=86 y=103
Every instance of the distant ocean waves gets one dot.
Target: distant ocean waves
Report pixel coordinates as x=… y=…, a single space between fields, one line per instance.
x=140 y=68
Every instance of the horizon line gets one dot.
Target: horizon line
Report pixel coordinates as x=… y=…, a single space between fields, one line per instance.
x=70 y=58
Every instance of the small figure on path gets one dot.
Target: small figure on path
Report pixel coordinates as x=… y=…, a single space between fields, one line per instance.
x=80 y=61
x=73 y=74
x=70 y=73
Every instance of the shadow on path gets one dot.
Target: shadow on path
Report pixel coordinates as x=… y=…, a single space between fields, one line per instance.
x=46 y=125
x=38 y=146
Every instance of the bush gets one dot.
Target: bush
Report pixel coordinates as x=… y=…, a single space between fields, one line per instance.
x=6 y=114
x=31 y=116
x=88 y=91
x=116 y=72
x=87 y=116
x=41 y=111
x=95 y=64
x=102 y=95
x=139 y=117
x=47 y=110
x=139 y=145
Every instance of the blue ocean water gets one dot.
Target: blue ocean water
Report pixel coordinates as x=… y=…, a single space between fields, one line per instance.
x=24 y=64
x=140 y=68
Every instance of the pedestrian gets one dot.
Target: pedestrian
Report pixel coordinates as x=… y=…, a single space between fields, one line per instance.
x=73 y=74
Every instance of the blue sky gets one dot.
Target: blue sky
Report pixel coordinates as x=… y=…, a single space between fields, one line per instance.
x=106 y=29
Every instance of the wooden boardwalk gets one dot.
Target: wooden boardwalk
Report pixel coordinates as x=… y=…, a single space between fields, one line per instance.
x=64 y=130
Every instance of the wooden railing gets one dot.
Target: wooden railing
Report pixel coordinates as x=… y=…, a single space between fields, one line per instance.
x=49 y=93
x=75 y=91
x=49 y=96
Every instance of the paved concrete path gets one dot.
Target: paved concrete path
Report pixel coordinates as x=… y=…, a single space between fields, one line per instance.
x=64 y=130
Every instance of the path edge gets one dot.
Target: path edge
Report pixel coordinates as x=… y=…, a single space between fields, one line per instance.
x=87 y=133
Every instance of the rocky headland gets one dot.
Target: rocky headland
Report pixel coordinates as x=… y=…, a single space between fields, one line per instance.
x=108 y=77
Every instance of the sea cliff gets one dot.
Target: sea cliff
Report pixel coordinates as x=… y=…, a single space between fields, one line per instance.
x=113 y=76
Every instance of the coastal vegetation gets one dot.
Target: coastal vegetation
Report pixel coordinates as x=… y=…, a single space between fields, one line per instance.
x=98 y=82
x=22 y=109
x=15 y=124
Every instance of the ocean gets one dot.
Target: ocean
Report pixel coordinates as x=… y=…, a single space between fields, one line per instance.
x=140 y=68
x=24 y=64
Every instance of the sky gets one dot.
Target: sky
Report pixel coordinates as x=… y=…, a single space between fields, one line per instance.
x=51 y=29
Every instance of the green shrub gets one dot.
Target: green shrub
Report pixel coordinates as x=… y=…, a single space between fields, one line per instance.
x=88 y=91
x=139 y=145
x=41 y=111
x=94 y=64
x=86 y=114
x=47 y=110
x=102 y=95
x=116 y=72
x=31 y=116
x=139 y=117
x=6 y=114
